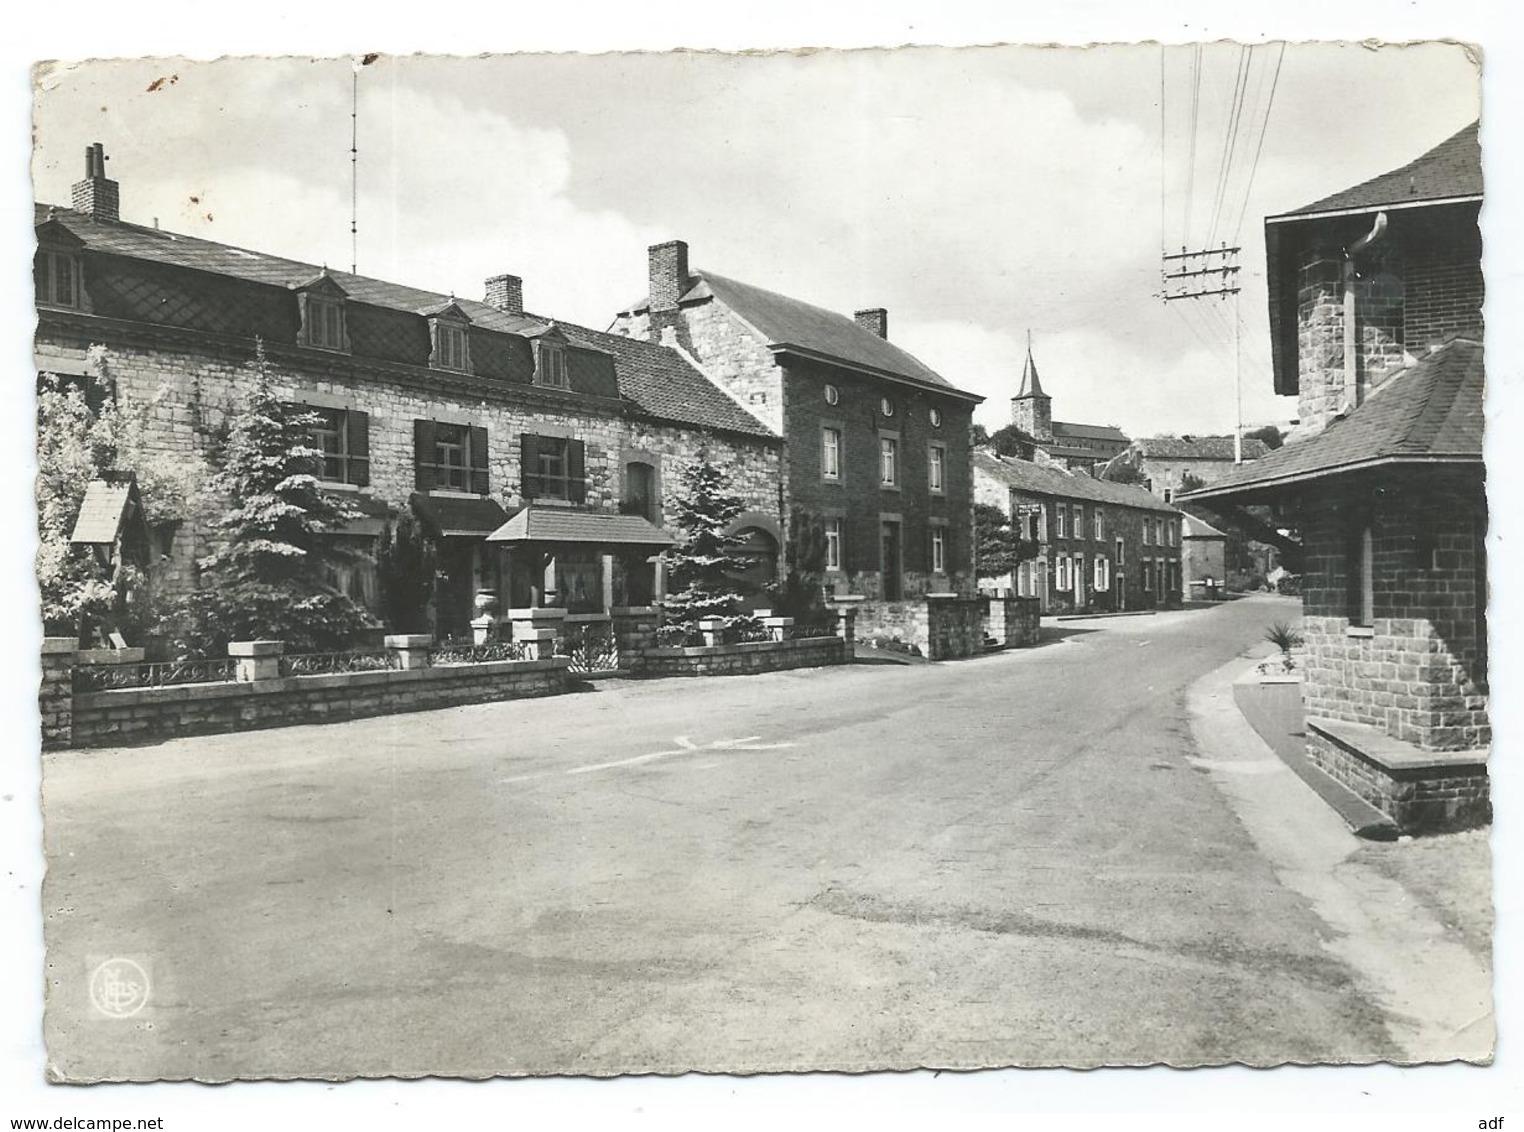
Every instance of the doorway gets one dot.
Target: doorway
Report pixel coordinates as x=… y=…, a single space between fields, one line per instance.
x=889 y=561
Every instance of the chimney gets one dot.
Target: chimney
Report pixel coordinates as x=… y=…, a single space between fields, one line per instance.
x=506 y=293
x=874 y=320
x=96 y=194
x=669 y=274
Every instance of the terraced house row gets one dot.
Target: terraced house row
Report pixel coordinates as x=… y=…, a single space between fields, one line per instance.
x=541 y=456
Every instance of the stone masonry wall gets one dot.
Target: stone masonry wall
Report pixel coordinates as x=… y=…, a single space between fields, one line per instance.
x=748 y=658
x=1418 y=671
x=190 y=390
x=135 y=715
x=55 y=693
x=942 y=628
x=1438 y=799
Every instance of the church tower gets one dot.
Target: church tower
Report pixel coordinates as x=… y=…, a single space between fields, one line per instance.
x=1032 y=409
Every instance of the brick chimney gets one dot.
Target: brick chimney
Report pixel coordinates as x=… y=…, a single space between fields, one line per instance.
x=669 y=274
x=97 y=194
x=875 y=320
x=506 y=293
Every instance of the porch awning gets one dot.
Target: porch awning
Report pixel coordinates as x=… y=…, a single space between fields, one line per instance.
x=455 y=516
x=536 y=523
x=370 y=521
x=108 y=505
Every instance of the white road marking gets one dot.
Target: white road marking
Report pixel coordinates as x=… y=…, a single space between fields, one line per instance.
x=684 y=746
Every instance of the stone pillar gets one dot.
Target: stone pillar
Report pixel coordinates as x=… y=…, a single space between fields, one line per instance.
x=711 y=628
x=635 y=630
x=606 y=562
x=777 y=627
x=55 y=694
x=412 y=649
x=257 y=660
x=845 y=608
x=1320 y=331
x=537 y=630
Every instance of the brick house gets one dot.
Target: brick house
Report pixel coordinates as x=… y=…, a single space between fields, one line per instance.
x=877 y=483
x=1064 y=444
x=540 y=455
x=1375 y=306
x=1101 y=545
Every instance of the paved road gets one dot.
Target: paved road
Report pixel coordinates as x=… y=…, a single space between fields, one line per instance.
x=997 y=861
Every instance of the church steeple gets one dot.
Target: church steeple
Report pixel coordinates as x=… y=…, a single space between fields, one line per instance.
x=1031 y=408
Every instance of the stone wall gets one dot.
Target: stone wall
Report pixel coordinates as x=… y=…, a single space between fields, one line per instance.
x=139 y=714
x=748 y=658
x=1203 y=557
x=1418 y=671
x=1437 y=794
x=188 y=390
x=940 y=626
x=1014 y=622
x=55 y=693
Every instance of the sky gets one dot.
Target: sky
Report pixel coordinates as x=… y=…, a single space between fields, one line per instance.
x=980 y=194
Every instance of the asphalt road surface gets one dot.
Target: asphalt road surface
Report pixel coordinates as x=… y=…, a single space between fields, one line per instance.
x=1008 y=860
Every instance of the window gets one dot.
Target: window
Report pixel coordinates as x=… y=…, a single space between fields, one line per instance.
x=1102 y=573
x=1063 y=573
x=1121 y=553
x=886 y=407
x=323 y=323
x=935 y=416
x=939 y=550
x=343 y=437
x=1174 y=532
x=554 y=467
x=833 y=544
x=830 y=453
x=449 y=346
x=1360 y=593
x=1063 y=525
x=1098 y=531
x=1079 y=521
x=1078 y=574
x=550 y=365
x=888 y=461
x=451 y=457
x=57 y=277
x=936 y=465
x=640 y=491
x=832 y=394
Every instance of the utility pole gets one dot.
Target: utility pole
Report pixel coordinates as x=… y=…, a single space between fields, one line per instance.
x=1204 y=274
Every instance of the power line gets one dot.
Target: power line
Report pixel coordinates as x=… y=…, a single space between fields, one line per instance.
x=1230 y=138
x=1260 y=148
x=1190 y=179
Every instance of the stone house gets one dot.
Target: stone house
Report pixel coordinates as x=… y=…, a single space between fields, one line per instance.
x=1064 y=444
x=1101 y=545
x=1165 y=461
x=877 y=481
x=1203 y=558
x=1375 y=310
x=541 y=456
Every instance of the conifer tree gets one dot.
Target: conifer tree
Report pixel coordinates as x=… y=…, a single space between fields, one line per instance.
x=702 y=566
x=272 y=578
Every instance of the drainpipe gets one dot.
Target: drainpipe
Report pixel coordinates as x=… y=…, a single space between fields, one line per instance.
x=1352 y=391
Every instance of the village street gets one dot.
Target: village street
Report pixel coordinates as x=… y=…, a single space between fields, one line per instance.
x=1019 y=858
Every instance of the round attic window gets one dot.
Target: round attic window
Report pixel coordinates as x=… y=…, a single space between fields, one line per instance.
x=886 y=407
x=832 y=394
x=936 y=418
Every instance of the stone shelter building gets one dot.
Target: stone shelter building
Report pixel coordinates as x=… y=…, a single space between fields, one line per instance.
x=1375 y=309
x=876 y=480
x=540 y=455
x=1062 y=443
x=1101 y=546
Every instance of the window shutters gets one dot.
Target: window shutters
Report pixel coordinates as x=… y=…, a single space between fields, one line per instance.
x=576 y=474
x=480 y=483
x=357 y=425
x=529 y=465
x=423 y=455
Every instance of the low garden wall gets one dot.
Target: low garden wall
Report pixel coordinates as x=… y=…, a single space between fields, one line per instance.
x=746 y=658
x=260 y=688
x=1422 y=791
x=947 y=626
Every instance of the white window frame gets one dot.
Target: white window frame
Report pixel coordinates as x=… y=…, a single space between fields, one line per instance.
x=550 y=366
x=1102 y=573
x=936 y=468
x=830 y=452
x=321 y=316
x=452 y=349
x=939 y=550
x=1061 y=579
x=888 y=461
x=1097 y=527
x=71 y=270
x=1062 y=510
x=833 y=534
x=1077 y=522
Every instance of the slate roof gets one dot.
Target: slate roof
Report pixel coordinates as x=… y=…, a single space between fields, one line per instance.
x=1023 y=475
x=1031 y=384
x=459 y=516
x=1192 y=527
x=1089 y=432
x=1451 y=169
x=657 y=380
x=1198 y=447
x=1430 y=412
x=107 y=504
x=812 y=330
x=564 y=524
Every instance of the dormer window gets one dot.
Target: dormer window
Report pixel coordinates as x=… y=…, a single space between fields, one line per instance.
x=321 y=303
x=57 y=275
x=550 y=366
x=450 y=345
